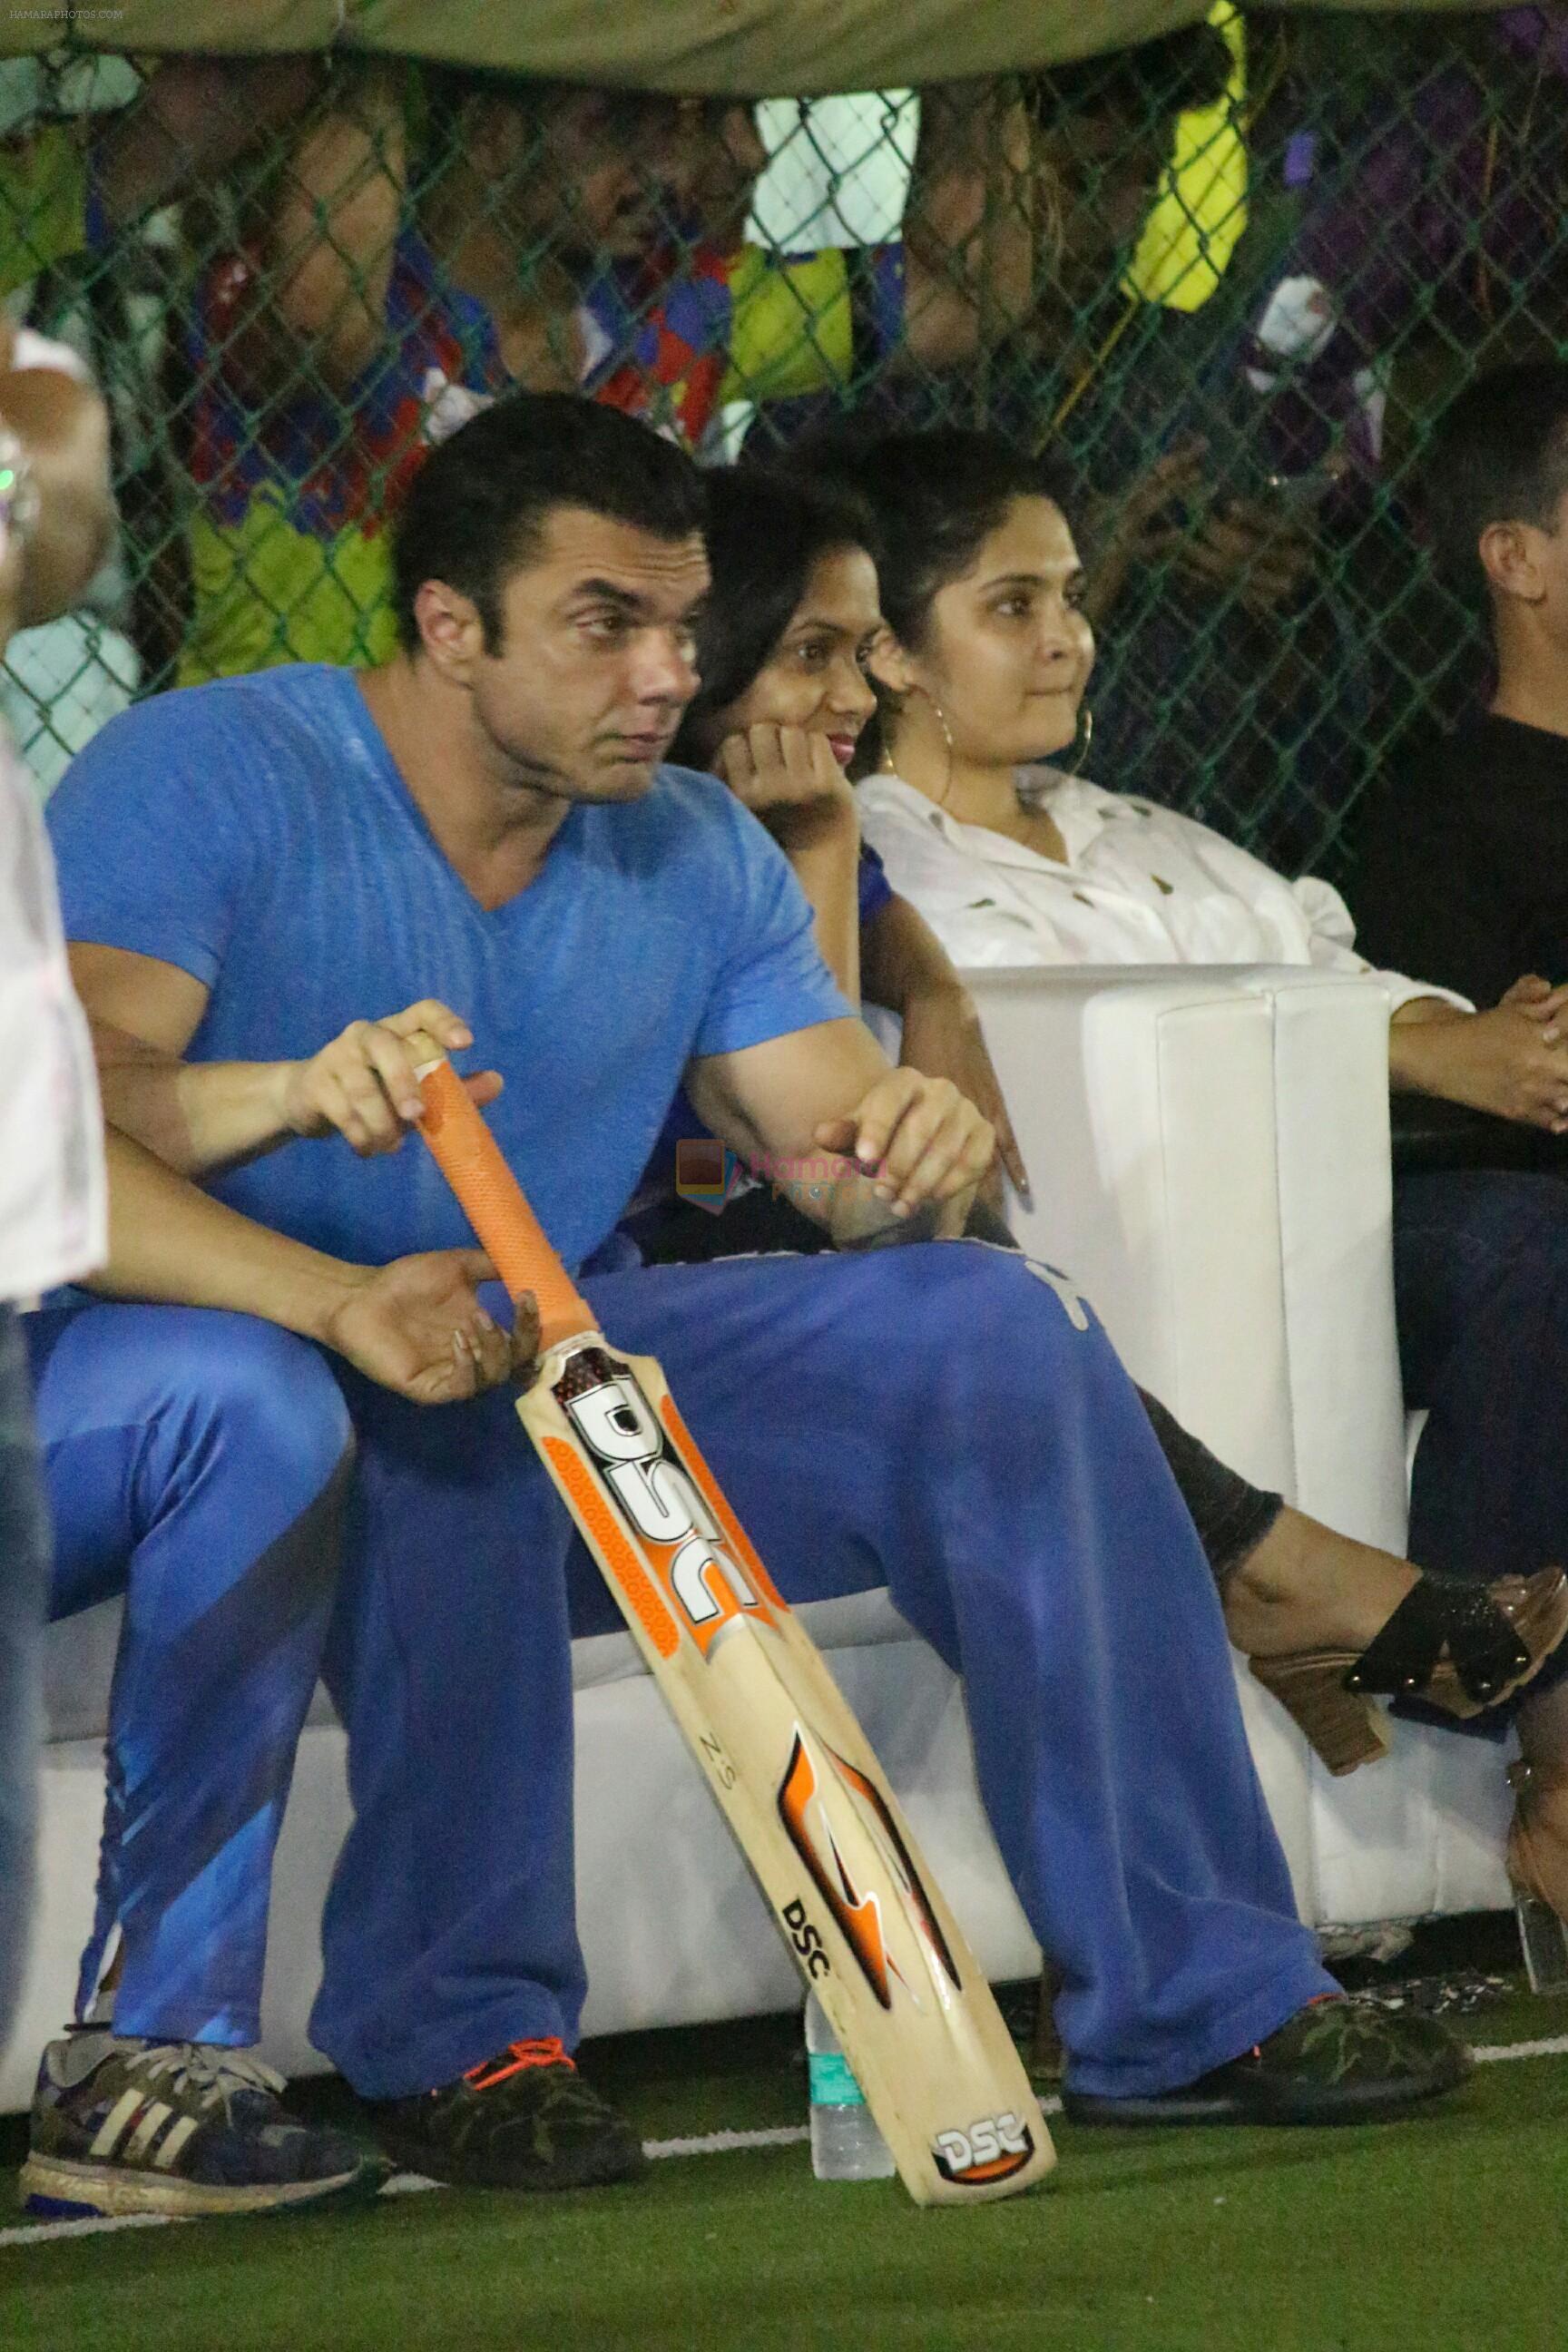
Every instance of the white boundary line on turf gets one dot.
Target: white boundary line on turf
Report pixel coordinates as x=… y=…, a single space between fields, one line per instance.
x=719 y=2143
x=1485 y=2054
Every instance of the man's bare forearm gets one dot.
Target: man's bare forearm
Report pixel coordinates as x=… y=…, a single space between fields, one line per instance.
x=1415 y=1051
x=198 y=1118
x=170 y=1243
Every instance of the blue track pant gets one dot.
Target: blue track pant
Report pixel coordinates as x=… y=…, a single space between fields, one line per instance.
x=195 y=1462
x=935 y=1419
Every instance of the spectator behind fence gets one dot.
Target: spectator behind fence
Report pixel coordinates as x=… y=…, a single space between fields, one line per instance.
x=69 y=187
x=1423 y=170
x=1429 y=204
x=1013 y=861
x=437 y=236
x=1214 y=560
x=56 y=511
x=512 y=824
x=789 y=623
x=1464 y=866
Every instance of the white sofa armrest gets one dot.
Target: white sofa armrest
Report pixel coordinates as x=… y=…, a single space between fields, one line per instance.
x=1208 y=1157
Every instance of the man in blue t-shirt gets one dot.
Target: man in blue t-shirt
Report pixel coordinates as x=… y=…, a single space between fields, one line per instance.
x=481 y=839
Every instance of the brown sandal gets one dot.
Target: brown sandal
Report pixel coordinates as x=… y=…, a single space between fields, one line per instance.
x=1460 y=1646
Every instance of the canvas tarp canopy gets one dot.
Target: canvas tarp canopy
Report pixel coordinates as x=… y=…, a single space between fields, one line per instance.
x=744 y=47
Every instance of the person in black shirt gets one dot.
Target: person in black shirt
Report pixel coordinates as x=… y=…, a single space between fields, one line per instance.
x=1464 y=879
x=1464 y=874
x=1464 y=870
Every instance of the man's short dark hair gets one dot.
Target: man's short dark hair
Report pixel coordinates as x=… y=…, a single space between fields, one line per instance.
x=1499 y=453
x=1146 y=86
x=479 y=505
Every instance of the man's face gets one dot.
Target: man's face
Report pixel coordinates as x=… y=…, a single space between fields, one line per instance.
x=584 y=169
x=582 y=697
x=1098 y=175
x=1553 y=559
x=718 y=161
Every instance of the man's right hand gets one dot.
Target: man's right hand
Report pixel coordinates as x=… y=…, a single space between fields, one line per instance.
x=1499 y=1061
x=362 y=1087
x=417 y=1327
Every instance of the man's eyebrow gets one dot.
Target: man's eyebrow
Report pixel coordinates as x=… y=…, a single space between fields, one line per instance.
x=605 y=591
x=629 y=600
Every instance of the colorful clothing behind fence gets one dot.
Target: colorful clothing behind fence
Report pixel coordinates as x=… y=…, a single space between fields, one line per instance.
x=676 y=341
x=290 y=558
x=289 y=552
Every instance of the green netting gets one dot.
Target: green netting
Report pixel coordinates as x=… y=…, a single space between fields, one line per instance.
x=1235 y=324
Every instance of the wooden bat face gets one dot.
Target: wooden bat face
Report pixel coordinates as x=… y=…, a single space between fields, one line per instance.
x=793 y=1771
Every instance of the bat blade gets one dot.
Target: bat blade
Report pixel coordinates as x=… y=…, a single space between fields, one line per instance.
x=796 y=1779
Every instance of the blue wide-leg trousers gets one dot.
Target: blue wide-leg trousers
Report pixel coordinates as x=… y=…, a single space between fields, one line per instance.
x=944 y=1420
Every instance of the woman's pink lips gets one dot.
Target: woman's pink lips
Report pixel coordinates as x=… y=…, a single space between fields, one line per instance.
x=842 y=747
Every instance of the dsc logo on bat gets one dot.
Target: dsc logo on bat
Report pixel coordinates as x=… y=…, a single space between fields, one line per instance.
x=662 y=1503
x=994 y=2148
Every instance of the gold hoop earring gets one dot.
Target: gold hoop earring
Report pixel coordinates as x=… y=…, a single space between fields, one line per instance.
x=947 y=739
x=1086 y=722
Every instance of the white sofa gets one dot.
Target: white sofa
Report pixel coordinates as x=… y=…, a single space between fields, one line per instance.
x=1209 y=1152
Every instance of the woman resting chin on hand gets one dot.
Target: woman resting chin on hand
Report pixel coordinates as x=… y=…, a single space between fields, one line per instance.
x=781 y=649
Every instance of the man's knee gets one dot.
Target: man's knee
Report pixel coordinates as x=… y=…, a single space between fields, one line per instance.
x=247 y=1385
x=971 y=1292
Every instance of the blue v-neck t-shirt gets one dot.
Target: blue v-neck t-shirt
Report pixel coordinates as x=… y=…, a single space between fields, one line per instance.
x=257 y=833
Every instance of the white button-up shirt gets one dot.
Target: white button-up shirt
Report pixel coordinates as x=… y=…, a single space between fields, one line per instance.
x=53 y=1205
x=1140 y=884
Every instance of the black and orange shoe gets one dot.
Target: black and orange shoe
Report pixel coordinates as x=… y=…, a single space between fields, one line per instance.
x=525 y=2119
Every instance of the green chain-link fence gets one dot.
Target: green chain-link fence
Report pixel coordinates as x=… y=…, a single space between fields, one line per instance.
x=1229 y=278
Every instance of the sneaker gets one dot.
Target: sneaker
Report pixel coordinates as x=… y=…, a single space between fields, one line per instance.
x=524 y=2120
x=1335 y=2062
x=178 y=2127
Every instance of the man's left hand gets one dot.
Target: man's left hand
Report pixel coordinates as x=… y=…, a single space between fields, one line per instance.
x=920 y=1141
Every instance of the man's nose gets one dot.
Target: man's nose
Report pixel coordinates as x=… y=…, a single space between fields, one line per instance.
x=666 y=669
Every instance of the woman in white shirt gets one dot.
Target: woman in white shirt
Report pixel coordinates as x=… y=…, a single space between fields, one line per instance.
x=983 y=680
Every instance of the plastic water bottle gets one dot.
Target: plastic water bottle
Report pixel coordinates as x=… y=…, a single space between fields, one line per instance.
x=845 y=2142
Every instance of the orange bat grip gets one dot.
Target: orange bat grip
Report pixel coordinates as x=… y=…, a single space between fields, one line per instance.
x=497 y=1207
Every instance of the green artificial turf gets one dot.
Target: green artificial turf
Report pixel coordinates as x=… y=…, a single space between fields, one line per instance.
x=1437 y=2235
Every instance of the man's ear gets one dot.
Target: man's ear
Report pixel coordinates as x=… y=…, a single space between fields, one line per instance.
x=890 y=664
x=451 y=634
x=1511 y=557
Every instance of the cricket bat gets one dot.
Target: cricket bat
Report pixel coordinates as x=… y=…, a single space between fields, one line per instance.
x=781 y=1749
